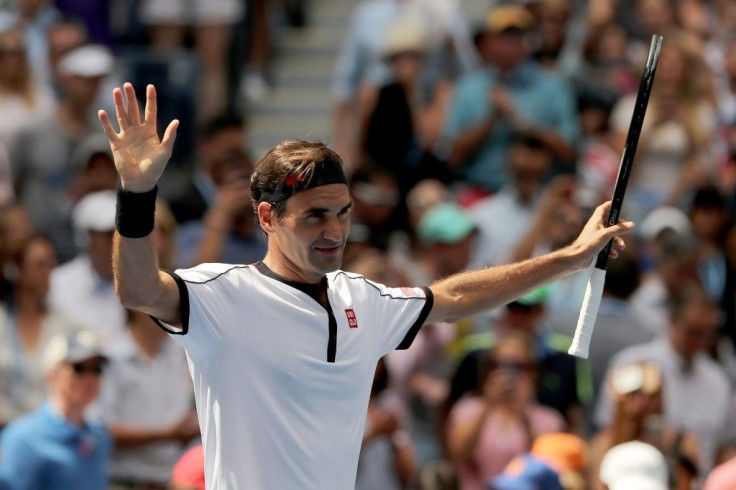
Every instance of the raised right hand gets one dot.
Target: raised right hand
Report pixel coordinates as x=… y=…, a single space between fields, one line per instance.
x=140 y=157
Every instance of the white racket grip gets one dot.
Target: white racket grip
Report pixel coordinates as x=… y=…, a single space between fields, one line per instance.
x=588 y=314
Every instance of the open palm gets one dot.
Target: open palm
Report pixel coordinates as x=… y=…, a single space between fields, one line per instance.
x=140 y=157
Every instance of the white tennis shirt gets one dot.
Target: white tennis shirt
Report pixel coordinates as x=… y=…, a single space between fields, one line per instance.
x=281 y=383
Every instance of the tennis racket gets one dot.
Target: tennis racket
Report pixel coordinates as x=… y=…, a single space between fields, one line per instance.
x=594 y=290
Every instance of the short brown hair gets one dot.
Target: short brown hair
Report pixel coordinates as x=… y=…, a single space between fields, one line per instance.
x=295 y=158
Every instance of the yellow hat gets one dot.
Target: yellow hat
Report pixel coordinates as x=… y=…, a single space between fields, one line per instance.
x=509 y=17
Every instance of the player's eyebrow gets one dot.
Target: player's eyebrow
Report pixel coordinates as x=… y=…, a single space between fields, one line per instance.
x=318 y=211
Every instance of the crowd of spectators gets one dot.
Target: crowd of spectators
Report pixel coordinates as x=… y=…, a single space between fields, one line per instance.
x=469 y=142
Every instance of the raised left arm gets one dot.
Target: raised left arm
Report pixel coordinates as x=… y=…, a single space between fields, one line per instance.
x=472 y=292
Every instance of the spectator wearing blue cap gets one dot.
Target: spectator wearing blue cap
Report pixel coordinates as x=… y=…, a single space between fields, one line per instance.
x=526 y=472
x=447 y=235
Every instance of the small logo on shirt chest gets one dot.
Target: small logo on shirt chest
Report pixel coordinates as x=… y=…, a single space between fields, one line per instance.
x=352 y=319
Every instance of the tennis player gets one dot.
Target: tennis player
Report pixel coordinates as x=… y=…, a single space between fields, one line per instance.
x=282 y=352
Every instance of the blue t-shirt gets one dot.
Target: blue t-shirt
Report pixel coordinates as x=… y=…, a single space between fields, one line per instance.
x=540 y=98
x=42 y=451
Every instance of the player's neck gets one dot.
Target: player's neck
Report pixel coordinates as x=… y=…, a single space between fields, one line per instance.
x=289 y=271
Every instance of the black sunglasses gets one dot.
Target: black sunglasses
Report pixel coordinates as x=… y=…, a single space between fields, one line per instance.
x=96 y=369
x=512 y=366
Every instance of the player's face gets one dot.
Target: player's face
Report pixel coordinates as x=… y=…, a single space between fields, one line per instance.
x=311 y=236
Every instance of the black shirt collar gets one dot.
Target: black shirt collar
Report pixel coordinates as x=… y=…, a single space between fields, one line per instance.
x=312 y=290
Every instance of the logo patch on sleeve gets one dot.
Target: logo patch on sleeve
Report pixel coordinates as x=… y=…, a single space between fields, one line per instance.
x=409 y=292
x=352 y=319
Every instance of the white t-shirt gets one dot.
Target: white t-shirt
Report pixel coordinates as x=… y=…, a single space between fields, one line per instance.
x=281 y=383
x=147 y=393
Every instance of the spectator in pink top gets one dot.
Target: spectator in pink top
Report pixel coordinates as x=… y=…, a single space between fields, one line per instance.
x=485 y=433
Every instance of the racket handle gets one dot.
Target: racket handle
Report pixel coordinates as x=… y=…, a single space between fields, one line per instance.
x=588 y=314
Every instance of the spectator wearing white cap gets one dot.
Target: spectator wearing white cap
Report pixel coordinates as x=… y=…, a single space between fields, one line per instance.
x=634 y=466
x=449 y=51
x=41 y=159
x=401 y=119
x=696 y=393
x=83 y=288
x=55 y=447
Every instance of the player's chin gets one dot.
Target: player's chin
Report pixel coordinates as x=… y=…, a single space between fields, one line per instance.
x=328 y=259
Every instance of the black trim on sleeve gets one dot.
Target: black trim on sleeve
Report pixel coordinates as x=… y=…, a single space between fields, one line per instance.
x=183 y=307
x=414 y=329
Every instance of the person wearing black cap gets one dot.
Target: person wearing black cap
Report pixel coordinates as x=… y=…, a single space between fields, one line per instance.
x=282 y=352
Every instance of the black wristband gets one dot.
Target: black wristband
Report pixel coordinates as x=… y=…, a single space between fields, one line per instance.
x=135 y=213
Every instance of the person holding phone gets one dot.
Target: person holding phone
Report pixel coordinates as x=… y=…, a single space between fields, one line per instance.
x=485 y=432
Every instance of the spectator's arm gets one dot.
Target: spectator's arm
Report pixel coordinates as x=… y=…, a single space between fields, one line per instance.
x=404 y=460
x=555 y=196
x=367 y=99
x=430 y=120
x=466 y=128
x=231 y=199
x=469 y=140
x=463 y=435
x=183 y=431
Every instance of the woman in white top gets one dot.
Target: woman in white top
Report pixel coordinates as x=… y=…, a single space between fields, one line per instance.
x=26 y=326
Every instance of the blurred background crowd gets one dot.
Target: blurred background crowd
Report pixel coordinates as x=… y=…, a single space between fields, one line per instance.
x=474 y=134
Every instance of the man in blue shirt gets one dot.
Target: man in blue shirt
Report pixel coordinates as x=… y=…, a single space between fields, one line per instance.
x=510 y=94
x=54 y=448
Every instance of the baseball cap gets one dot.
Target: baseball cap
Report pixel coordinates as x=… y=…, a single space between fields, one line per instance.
x=96 y=144
x=629 y=378
x=562 y=451
x=509 y=17
x=70 y=348
x=533 y=298
x=444 y=223
x=634 y=466
x=95 y=212
x=90 y=60
x=664 y=218
x=526 y=472
x=404 y=35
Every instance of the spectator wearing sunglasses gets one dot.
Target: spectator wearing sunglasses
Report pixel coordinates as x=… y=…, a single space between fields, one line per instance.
x=486 y=431
x=557 y=383
x=54 y=447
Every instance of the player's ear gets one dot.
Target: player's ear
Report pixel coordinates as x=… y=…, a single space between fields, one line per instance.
x=266 y=217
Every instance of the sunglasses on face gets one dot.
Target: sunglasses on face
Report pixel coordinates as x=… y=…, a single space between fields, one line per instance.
x=512 y=366
x=81 y=369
